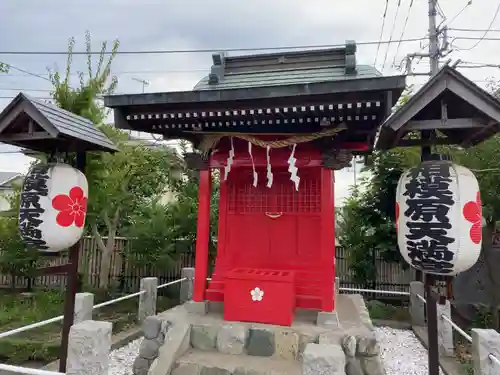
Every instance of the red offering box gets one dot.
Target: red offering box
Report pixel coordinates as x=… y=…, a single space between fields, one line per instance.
x=260 y=296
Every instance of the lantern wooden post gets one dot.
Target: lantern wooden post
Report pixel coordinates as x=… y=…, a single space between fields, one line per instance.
x=71 y=284
x=202 y=236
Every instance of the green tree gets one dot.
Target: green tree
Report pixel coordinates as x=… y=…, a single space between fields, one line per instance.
x=366 y=225
x=15 y=258
x=484 y=161
x=4 y=68
x=159 y=233
x=121 y=182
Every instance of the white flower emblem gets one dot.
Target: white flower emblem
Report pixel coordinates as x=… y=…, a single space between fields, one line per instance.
x=257 y=294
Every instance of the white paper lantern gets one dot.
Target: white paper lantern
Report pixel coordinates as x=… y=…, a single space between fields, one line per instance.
x=53 y=207
x=439 y=217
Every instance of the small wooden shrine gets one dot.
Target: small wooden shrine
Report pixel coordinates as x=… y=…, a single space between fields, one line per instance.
x=276 y=127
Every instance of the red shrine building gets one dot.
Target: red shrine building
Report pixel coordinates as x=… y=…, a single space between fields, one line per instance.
x=272 y=128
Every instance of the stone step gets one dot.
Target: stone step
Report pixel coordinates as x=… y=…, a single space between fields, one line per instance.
x=197 y=362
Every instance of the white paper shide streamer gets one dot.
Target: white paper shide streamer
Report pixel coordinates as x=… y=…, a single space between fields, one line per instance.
x=255 y=175
x=293 y=169
x=229 y=161
x=269 y=171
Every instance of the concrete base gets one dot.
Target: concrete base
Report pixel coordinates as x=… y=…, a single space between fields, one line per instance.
x=216 y=307
x=198 y=308
x=328 y=320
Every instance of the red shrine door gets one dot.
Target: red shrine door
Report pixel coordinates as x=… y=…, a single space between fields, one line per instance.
x=276 y=228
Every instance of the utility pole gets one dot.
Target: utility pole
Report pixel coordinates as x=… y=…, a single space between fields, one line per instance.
x=430 y=300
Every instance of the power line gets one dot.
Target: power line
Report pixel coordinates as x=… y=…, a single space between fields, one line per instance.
x=486 y=31
x=403 y=32
x=381 y=30
x=25 y=71
x=469 y=3
x=209 y=50
x=391 y=34
x=475 y=30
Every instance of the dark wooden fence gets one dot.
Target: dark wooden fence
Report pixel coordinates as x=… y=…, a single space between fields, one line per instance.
x=126 y=277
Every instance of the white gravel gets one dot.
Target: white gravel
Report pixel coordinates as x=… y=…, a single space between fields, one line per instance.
x=401 y=352
x=122 y=359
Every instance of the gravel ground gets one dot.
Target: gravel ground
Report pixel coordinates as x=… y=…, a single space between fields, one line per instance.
x=401 y=352
x=121 y=360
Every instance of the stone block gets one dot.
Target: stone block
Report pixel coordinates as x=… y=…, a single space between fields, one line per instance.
x=323 y=359
x=329 y=337
x=199 y=308
x=484 y=343
x=305 y=339
x=204 y=336
x=353 y=367
x=286 y=344
x=88 y=348
x=372 y=365
x=151 y=327
x=186 y=369
x=260 y=342
x=368 y=345
x=175 y=345
x=417 y=306
x=147 y=300
x=149 y=349
x=250 y=371
x=186 y=292
x=214 y=370
x=231 y=339
x=84 y=304
x=328 y=320
x=140 y=366
x=349 y=345
x=445 y=331
x=360 y=306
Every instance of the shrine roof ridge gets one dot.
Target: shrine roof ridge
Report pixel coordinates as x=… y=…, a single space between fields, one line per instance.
x=290 y=91
x=281 y=68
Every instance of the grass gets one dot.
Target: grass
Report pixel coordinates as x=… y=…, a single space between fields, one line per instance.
x=43 y=344
x=386 y=311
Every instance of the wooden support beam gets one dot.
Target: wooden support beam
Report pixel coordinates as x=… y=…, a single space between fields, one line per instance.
x=52 y=270
x=459 y=123
x=32 y=136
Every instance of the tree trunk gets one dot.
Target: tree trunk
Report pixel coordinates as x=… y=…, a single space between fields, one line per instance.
x=491 y=271
x=106 y=252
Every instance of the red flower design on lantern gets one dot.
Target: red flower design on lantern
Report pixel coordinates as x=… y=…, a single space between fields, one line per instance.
x=72 y=207
x=397 y=215
x=473 y=212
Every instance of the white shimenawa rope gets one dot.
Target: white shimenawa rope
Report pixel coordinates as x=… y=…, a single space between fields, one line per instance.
x=269 y=171
x=229 y=161
x=293 y=169
x=255 y=175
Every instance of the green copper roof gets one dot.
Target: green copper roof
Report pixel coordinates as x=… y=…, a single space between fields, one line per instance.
x=285 y=68
x=297 y=76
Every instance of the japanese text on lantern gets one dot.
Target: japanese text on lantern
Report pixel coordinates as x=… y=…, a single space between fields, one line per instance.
x=429 y=200
x=30 y=210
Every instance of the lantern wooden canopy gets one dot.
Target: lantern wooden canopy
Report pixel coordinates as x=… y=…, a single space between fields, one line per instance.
x=262 y=120
x=456 y=108
x=41 y=126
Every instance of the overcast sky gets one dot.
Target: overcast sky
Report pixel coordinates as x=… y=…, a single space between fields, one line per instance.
x=34 y=25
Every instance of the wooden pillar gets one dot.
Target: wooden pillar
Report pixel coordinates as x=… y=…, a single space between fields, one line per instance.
x=202 y=236
x=328 y=236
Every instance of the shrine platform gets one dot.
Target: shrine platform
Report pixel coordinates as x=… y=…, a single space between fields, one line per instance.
x=197 y=343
